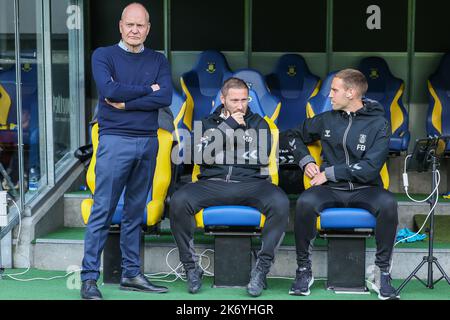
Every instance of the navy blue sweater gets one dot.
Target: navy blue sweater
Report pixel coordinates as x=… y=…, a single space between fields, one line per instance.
x=123 y=76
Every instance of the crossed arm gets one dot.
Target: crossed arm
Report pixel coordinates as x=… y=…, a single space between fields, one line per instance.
x=132 y=97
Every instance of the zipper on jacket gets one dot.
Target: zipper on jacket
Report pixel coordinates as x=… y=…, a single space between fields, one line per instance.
x=344 y=143
x=230 y=169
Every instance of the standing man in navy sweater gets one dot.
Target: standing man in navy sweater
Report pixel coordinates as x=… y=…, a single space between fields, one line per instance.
x=133 y=82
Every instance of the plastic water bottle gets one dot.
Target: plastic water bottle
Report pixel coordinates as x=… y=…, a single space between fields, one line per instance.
x=33 y=181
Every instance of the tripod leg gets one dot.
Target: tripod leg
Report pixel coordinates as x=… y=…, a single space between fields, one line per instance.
x=410 y=276
x=442 y=271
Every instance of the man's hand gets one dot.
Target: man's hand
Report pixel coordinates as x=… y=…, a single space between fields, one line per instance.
x=319 y=179
x=239 y=117
x=155 y=87
x=311 y=169
x=117 y=105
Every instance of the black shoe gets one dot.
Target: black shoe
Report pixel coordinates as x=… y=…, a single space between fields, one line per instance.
x=141 y=284
x=89 y=290
x=303 y=281
x=383 y=286
x=194 y=279
x=258 y=282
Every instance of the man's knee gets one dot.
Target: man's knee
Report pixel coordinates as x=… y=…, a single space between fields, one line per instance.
x=279 y=202
x=308 y=200
x=388 y=206
x=178 y=201
x=389 y=200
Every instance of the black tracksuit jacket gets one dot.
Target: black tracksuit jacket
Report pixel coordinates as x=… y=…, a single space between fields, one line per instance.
x=354 y=145
x=242 y=154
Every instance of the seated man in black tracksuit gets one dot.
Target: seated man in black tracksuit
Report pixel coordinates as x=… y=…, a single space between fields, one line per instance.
x=233 y=151
x=354 y=138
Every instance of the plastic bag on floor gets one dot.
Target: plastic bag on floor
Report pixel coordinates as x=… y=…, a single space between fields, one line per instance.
x=403 y=234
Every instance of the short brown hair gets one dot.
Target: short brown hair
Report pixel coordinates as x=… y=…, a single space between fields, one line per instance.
x=353 y=79
x=233 y=83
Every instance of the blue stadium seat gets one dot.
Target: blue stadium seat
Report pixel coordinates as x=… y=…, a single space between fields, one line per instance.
x=293 y=84
x=321 y=102
x=178 y=108
x=200 y=85
x=438 y=117
x=388 y=91
x=346 y=219
x=270 y=104
x=232 y=216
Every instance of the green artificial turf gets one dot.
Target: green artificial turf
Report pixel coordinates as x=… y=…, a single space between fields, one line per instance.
x=441 y=226
x=66 y=287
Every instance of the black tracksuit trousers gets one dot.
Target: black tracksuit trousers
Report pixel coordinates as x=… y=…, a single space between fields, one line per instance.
x=262 y=195
x=376 y=200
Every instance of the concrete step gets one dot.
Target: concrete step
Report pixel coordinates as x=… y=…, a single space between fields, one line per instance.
x=72 y=209
x=62 y=254
x=406 y=211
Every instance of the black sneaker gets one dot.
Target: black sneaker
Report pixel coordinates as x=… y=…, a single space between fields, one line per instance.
x=303 y=281
x=382 y=286
x=194 y=279
x=258 y=282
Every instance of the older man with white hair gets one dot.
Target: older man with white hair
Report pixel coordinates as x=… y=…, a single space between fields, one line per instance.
x=133 y=82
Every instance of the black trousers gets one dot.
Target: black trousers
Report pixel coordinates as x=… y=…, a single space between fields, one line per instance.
x=376 y=200
x=262 y=195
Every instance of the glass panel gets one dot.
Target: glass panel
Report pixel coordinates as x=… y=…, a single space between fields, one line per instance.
x=33 y=104
x=66 y=77
x=9 y=156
